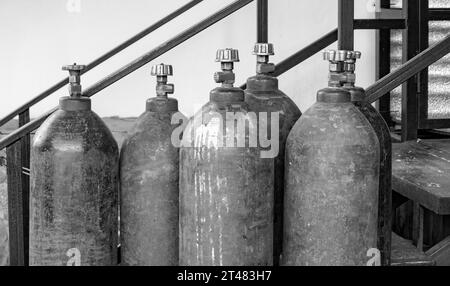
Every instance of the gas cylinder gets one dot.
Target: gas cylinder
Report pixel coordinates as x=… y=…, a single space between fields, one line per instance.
x=331 y=184
x=74 y=185
x=384 y=137
x=262 y=95
x=226 y=183
x=149 y=182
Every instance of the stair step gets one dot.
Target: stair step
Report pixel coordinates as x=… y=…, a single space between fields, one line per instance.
x=404 y=253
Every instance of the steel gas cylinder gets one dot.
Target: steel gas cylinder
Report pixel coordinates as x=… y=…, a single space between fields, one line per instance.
x=264 y=97
x=331 y=184
x=74 y=185
x=384 y=137
x=226 y=184
x=149 y=182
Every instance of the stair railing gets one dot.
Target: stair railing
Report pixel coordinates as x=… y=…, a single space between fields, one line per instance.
x=17 y=143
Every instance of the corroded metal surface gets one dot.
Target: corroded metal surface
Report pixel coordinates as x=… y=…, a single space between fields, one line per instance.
x=262 y=95
x=149 y=192
x=385 y=184
x=331 y=191
x=74 y=191
x=226 y=193
x=149 y=172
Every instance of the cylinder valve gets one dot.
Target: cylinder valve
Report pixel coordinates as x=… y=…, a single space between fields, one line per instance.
x=227 y=58
x=74 y=78
x=262 y=52
x=350 y=66
x=161 y=72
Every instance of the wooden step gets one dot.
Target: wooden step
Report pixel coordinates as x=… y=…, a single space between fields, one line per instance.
x=404 y=253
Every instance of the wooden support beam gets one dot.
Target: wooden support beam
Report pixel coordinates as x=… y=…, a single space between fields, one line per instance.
x=346 y=16
x=18 y=167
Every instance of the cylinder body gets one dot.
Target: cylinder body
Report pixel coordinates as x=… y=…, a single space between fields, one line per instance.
x=74 y=189
x=226 y=192
x=385 y=184
x=332 y=176
x=262 y=95
x=149 y=188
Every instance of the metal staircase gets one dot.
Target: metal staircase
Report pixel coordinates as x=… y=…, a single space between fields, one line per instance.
x=17 y=143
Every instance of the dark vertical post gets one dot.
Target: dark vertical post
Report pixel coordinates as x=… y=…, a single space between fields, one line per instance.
x=262 y=21
x=423 y=76
x=411 y=47
x=346 y=16
x=383 y=59
x=18 y=167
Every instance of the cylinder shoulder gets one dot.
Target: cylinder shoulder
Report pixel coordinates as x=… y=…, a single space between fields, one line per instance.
x=153 y=128
x=83 y=129
x=335 y=123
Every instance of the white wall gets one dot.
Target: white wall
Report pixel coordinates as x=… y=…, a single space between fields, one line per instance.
x=39 y=36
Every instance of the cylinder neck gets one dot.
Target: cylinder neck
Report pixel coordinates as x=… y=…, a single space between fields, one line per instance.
x=75 y=103
x=261 y=83
x=333 y=95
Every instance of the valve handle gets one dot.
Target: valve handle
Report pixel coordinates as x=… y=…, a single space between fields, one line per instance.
x=263 y=49
x=74 y=78
x=74 y=68
x=227 y=55
x=162 y=70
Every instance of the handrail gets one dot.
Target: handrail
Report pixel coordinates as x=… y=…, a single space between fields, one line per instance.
x=129 y=68
x=282 y=67
x=303 y=54
x=408 y=70
x=163 y=48
x=101 y=59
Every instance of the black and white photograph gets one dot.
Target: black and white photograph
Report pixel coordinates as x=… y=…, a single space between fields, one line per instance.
x=225 y=140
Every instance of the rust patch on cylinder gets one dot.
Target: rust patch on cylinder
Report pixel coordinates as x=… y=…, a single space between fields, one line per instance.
x=149 y=193
x=226 y=196
x=74 y=192
x=331 y=195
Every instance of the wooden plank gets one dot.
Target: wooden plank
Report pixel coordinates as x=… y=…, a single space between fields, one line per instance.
x=441 y=253
x=346 y=16
x=420 y=173
x=405 y=254
x=18 y=164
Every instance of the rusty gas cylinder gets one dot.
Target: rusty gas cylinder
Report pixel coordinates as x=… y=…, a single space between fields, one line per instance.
x=264 y=97
x=149 y=182
x=331 y=191
x=384 y=137
x=226 y=184
x=74 y=186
